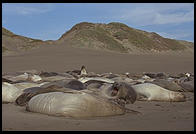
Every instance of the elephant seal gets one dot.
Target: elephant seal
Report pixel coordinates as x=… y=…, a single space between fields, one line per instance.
x=47 y=74
x=84 y=103
x=75 y=105
x=78 y=73
x=157 y=75
x=53 y=78
x=9 y=92
x=152 y=92
x=60 y=86
x=25 y=85
x=28 y=93
x=75 y=84
x=67 y=83
x=109 y=75
x=187 y=86
x=24 y=77
x=170 y=85
x=118 y=92
x=85 y=79
x=6 y=80
x=93 y=84
x=83 y=71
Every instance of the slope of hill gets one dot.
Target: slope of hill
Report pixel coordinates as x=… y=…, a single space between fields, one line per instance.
x=119 y=37
x=114 y=36
x=12 y=43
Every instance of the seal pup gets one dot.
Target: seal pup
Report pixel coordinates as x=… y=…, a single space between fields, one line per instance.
x=152 y=92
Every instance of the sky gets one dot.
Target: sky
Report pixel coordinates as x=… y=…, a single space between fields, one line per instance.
x=48 y=21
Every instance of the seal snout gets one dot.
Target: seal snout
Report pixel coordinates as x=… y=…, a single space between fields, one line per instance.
x=180 y=97
x=115 y=89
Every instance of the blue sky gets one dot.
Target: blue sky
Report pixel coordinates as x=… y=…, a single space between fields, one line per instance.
x=48 y=21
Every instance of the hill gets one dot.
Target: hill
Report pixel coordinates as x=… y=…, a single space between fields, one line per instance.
x=114 y=36
x=12 y=43
x=121 y=38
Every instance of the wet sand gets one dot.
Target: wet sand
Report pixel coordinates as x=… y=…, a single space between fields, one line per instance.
x=155 y=115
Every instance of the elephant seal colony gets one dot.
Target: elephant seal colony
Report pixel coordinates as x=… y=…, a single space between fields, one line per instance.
x=82 y=94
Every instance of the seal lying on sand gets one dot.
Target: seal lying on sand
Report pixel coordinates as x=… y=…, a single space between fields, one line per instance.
x=6 y=80
x=47 y=74
x=152 y=92
x=23 y=99
x=121 y=91
x=9 y=92
x=23 y=77
x=25 y=85
x=60 y=86
x=76 y=105
x=118 y=92
x=84 y=103
x=67 y=83
x=170 y=85
x=85 y=79
x=187 y=86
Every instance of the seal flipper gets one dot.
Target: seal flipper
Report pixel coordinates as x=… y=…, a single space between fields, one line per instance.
x=127 y=110
x=142 y=97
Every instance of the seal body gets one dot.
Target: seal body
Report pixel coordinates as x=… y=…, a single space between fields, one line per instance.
x=9 y=92
x=187 y=86
x=170 y=85
x=152 y=92
x=76 y=105
x=85 y=79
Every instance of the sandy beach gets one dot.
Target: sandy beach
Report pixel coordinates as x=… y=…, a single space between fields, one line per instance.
x=154 y=115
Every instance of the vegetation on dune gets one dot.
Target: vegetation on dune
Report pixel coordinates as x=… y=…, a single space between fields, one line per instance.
x=6 y=32
x=114 y=36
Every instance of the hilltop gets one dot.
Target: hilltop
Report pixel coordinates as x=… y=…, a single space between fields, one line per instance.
x=121 y=38
x=114 y=36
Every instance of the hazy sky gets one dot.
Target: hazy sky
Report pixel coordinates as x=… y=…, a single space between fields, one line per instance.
x=48 y=21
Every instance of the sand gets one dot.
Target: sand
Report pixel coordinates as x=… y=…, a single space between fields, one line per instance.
x=154 y=115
